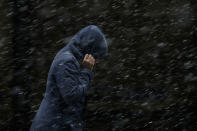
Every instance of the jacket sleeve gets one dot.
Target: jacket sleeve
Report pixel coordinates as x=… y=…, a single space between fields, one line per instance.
x=71 y=81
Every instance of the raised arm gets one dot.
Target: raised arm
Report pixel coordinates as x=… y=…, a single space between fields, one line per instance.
x=71 y=81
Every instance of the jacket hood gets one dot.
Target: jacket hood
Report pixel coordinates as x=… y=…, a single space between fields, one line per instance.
x=89 y=40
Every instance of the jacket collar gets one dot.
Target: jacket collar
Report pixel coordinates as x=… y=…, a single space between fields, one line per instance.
x=73 y=50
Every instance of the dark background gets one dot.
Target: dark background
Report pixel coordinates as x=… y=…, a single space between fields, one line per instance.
x=147 y=83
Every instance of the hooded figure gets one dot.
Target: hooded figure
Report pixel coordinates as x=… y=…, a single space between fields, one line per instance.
x=63 y=104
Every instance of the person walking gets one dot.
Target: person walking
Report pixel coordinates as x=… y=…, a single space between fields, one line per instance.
x=63 y=105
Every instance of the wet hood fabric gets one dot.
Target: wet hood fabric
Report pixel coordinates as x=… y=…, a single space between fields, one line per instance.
x=89 y=40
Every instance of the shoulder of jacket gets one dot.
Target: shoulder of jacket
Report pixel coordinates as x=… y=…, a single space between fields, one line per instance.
x=65 y=58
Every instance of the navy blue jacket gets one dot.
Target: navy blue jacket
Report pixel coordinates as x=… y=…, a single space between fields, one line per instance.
x=63 y=104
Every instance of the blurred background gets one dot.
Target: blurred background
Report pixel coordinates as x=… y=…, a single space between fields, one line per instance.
x=147 y=83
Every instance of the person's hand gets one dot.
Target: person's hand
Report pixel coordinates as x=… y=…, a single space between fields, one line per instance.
x=88 y=61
